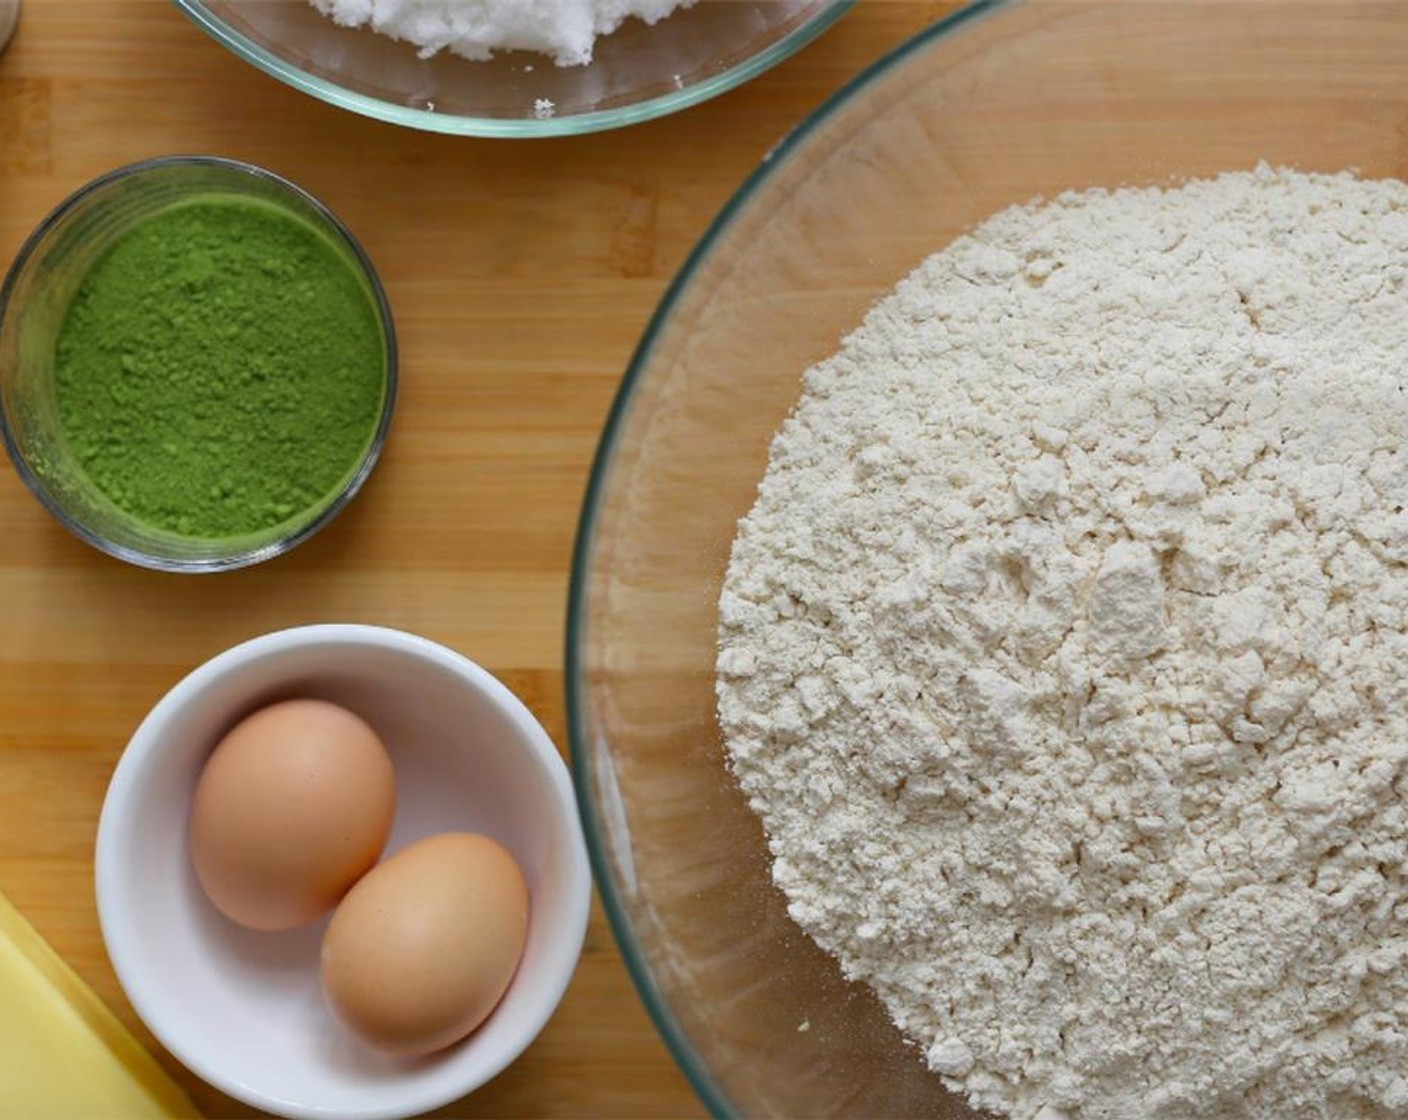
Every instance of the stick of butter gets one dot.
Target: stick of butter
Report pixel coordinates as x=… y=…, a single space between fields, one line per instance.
x=63 y=1055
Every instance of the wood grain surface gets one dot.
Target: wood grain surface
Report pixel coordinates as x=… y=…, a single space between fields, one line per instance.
x=521 y=274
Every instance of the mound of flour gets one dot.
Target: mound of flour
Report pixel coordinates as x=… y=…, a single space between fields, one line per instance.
x=565 y=29
x=1064 y=654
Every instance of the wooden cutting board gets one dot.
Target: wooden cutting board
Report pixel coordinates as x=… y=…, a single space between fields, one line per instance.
x=522 y=274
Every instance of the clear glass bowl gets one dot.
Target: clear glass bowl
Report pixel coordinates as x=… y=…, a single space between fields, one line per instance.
x=1004 y=102
x=34 y=300
x=638 y=72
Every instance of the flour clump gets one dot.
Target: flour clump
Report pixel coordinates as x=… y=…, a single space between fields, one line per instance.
x=1063 y=654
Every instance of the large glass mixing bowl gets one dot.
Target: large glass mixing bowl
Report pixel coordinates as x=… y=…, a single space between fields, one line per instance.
x=638 y=72
x=1004 y=102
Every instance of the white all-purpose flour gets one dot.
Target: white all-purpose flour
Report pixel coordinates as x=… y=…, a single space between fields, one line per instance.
x=1064 y=654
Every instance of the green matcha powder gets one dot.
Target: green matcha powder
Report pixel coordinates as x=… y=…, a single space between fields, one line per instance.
x=221 y=369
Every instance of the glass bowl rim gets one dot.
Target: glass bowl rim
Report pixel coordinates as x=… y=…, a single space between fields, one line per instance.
x=243 y=557
x=512 y=127
x=668 y=1026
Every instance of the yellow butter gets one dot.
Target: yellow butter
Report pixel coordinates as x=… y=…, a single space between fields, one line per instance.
x=63 y=1055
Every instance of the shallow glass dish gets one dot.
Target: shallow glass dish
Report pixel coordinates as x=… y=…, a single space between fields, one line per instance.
x=997 y=105
x=34 y=299
x=637 y=73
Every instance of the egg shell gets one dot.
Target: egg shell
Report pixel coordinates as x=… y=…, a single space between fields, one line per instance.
x=293 y=806
x=425 y=945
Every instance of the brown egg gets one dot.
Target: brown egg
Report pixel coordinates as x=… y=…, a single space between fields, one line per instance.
x=423 y=948
x=294 y=805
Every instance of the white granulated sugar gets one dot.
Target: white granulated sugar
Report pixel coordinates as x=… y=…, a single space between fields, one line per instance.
x=565 y=29
x=1064 y=654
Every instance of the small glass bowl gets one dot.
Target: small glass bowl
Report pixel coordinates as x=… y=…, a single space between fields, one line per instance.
x=638 y=72
x=34 y=300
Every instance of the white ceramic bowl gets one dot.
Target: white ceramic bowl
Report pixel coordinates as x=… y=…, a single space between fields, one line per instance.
x=245 y=1010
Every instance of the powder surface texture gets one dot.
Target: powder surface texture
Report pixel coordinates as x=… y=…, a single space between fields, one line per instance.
x=220 y=369
x=565 y=29
x=1063 y=654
